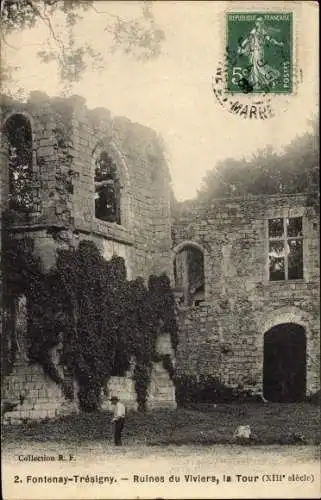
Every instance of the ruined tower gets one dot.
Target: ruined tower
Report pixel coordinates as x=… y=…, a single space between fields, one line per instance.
x=68 y=174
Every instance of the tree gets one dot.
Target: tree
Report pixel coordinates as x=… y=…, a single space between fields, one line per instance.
x=294 y=170
x=139 y=36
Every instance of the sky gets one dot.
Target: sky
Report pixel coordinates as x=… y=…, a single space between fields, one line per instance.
x=173 y=93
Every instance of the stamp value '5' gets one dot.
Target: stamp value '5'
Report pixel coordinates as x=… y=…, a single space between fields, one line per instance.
x=259 y=52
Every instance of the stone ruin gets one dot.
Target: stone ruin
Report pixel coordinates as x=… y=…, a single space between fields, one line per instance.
x=246 y=271
x=89 y=175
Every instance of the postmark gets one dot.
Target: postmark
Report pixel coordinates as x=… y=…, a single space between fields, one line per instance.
x=259 y=52
x=256 y=76
x=254 y=107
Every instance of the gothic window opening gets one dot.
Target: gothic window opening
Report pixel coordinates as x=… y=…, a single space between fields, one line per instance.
x=189 y=276
x=18 y=135
x=107 y=190
x=285 y=249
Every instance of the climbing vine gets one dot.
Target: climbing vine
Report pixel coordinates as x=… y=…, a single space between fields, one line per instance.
x=23 y=276
x=88 y=305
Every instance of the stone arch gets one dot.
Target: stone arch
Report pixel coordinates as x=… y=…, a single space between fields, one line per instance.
x=282 y=316
x=289 y=314
x=30 y=118
x=14 y=167
x=189 y=275
x=187 y=243
x=21 y=112
x=110 y=149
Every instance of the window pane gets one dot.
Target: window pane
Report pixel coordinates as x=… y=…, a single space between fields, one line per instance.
x=294 y=226
x=276 y=228
x=276 y=261
x=295 y=260
x=276 y=249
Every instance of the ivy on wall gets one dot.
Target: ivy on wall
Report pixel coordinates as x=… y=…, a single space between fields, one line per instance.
x=88 y=305
x=23 y=276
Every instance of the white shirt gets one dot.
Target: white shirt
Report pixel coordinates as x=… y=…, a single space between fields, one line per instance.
x=119 y=411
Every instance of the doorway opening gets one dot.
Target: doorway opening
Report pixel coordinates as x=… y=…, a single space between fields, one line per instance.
x=284 y=366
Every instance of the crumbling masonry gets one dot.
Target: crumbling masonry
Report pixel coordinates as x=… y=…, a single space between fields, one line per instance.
x=257 y=325
x=83 y=162
x=245 y=271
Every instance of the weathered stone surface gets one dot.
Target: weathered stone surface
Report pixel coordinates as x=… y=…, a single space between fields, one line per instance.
x=223 y=337
x=124 y=389
x=42 y=397
x=66 y=140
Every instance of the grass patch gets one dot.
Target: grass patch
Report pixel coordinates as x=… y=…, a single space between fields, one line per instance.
x=271 y=423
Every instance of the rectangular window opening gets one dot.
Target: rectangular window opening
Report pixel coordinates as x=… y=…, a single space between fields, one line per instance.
x=285 y=249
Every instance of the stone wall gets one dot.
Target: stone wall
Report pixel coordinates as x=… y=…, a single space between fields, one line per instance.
x=66 y=139
x=161 y=390
x=42 y=398
x=224 y=336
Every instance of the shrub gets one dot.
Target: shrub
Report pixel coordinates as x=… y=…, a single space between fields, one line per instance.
x=88 y=305
x=208 y=389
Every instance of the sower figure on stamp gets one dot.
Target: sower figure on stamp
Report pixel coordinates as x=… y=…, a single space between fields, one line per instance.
x=261 y=73
x=118 y=419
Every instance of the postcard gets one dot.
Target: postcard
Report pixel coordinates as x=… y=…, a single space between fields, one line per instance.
x=160 y=258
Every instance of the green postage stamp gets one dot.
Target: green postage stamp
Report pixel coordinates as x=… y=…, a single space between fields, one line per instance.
x=259 y=52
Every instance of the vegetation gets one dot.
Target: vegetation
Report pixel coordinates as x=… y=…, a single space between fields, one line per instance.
x=270 y=423
x=139 y=37
x=294 y=170
x=192 y=390
x=88 y=305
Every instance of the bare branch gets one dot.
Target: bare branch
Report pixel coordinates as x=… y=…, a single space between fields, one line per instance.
x=104 y=12
x=3 y=38
x=48 y=23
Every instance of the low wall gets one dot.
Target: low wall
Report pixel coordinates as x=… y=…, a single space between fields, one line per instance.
x=42 y=398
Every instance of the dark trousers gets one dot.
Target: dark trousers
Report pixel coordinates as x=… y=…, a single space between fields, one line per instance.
x=118 y=428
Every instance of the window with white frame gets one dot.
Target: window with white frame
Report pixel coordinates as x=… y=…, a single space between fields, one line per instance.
x=285 y=248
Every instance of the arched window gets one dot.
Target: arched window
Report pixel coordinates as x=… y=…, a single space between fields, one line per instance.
x=107 y=189
x=18 y=141
x=189 y=275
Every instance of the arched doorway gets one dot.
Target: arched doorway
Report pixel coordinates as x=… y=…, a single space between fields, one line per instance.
x=284 y=367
